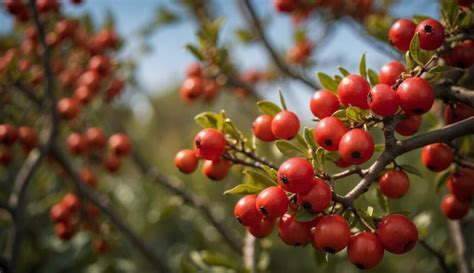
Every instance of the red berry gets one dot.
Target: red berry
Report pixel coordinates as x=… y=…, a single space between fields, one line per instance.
x=408 y=125
x=101 y=64
x=272 y=202
x=193 y=70
x=356 y=147
x=262 y=228
x=328 y=133
x=68 y=108
x=77 y=143
x=394 y=183
x=27 y=137
x=191 y=89
x=64 y=230
x=457 y=112
x=383 y=100
x=461 y=184
x=437 y=157
x=71 y=202
x=431 y=34
x=112 y=162
x=6 y=155
x=295 y=175
x=120 y=144
x=462 y=55
x=209 y=144
x=84 y=94
x=285 y=125
x=353 y=90
x=397 y=233
x=416 y=96
x=365 y=250
x=284 y=5
x=332 y=233
x=246 y=212
x=186 y=161
x=95 y=137
x=323 y=103
x=401 y=33
x=454 y=208
x=262 y=128
x=293 y=232
x=317 y=199
x=114 y=89
x=88 y=177
x=390 y=72
x=91 y=79
x=216 y=170
x=8 y=134
x=59 y=213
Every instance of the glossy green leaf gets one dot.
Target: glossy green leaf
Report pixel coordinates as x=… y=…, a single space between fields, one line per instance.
x=327 y=82
x=383 y=201
x=271 y=172
x=355 y=114
x=343 y=71
x=268 y=107
x=363 y=66
x=309 y=138
x=244 y=189
x=379 y=147
x=209 y=120
x=282 y=100
x=289 y=149
x=373 y=77
x=411 y=169
x=440 y=179
x=195 y=51
x=261 y=178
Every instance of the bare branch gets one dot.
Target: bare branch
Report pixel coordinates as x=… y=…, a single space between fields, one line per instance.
x=281 y=64
x=446 y=91
x=438 y=254
x=460 y=245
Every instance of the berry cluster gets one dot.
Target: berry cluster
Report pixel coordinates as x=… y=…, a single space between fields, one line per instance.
x=25 y=135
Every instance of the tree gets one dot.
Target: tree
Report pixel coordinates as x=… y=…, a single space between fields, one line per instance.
x=367 y=125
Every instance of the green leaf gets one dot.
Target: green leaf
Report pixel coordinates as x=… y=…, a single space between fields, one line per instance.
x=244 y=36
x=195 y=51
x=373 y=77
x=334 y=156
x=261 y=178
x=217 y=259
x=244 y=189
x=343 y=71
x=379 y=147
x=442 y=69
x=450 y=11
x=441 y=179
x=289 y=149
x=186 y=267
x=410 y=63
x=411 y=169
x=355 y=114
x=230 y=129
x=363 y=66
x=282 y=100
x=419 y=18
x=327 y=82
x=268 y=107
x=271 y=172
x=415 y=49
x=303 y=215
x=309 y=138
x=383 y=201
x=340 y=114
x=299 y=35
x=209 y=120
x=320 y=162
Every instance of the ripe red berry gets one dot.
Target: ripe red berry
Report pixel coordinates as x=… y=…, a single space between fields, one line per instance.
x=293 y=232
x=457 y=112
x=84 y=94
x=416 y=96
x=71 y=202
x=431 y=34
x=323 y=103
x=272 y=202
x=356 y=147
x=101 y=64
x=246 y=212
x=68 y=108
x=100 y=246
x=77 y=143
x=401 y=33
x=90 y=78
x=408 y=125
x=64 y=230
x=353 y=90
x=454 y=208
x=120 y=144
x=114 y=89
x=6 y=155
x=211 y=89
x=95 y=137
x=262 y=228
x=317 y=199
x=462 y=55
x=285 y=125
x=332 y=233
x=394 y=183
x=262 y=128
x=216 y=170
x=295 y=175
x=461 y=184
x=191 y=89
x=193 y=70
x=365 y=250
x=88 y=177
x=186 y=161
x=59 y=213
x=8 y=134
x=397 y=233
x=27 y=137
x=383 y=100
x=328 y=133
x=209 y=144
x=284 y=5
x=112 y=162
x=437 y=157
x=390 y=72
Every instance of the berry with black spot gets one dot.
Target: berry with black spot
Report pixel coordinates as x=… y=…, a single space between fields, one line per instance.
x=431 y=34
x=120 y=144
x=318 y=198
x=328 y=133
x=397 y=233
x=272 y=202
x=246 y=212
x=209 y=144
x=356 y=147
x=365 y=250
x=191 y=89
x=383 y=100
x=461 y=184
x=437 y=157
x=332 y=233
x=296 y=175
x=416 y=96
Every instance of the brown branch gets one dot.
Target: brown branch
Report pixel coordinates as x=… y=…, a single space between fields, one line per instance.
x=447 y=92
x=146 y=250
x=175 y=185
x=438 y=254
x=459 y=242
x=282 y=65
